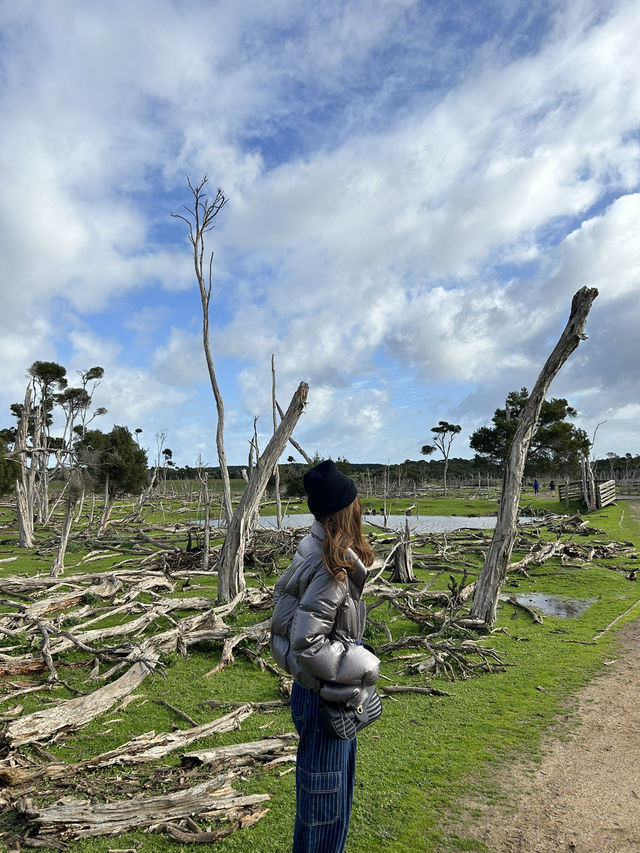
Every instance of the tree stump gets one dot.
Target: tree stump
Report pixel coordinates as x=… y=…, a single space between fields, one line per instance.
x=403 y=558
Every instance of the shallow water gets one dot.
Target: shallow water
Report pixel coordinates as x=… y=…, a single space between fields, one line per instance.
x=553 y=605
x=417 y=524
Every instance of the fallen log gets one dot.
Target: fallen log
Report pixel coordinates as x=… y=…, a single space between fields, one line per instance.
x=141 y=749
x=49 y=724
x=73 y=818
x=242 y=753
x=241 y=818
x=537 y=618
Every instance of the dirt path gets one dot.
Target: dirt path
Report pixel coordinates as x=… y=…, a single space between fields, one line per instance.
x=585 y=796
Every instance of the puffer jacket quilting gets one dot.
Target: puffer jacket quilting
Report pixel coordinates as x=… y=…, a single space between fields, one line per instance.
x=318 y=622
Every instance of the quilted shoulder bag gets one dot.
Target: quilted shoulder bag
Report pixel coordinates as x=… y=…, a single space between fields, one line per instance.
x=339 y=720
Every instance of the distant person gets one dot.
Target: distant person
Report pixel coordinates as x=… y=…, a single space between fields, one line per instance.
x=552 y=486
x=536 y=487
x=316 y=636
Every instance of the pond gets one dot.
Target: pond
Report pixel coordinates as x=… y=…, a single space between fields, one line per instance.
x=417 y=524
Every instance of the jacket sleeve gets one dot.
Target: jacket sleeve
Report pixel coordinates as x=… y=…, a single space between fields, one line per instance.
x=325 y=658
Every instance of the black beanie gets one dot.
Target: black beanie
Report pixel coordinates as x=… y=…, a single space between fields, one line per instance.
x=328 y=489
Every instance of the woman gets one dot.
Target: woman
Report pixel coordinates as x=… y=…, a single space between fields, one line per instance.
x=316 y=636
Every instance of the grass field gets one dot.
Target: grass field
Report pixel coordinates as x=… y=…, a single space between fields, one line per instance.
x=419 y=761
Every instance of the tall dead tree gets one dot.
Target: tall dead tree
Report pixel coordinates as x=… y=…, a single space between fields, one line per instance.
x=589 y=492
x=276 y=470
x=294 y=443
x=203 y=476
x=231 y=562
x=496 y=564
x=199 y=221
x=25 y=482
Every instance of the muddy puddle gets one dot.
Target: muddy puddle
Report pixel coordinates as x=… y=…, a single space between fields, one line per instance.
x=552 y=605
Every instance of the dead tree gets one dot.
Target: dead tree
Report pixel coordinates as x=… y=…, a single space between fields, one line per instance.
x=25 y=482
x=199 y=221
x=276 y=470
x=403 y=558
x=231 y=562
x=496 y=564
x=75 y=488
x=589 y=494
x=293 y=442
x=203 y=476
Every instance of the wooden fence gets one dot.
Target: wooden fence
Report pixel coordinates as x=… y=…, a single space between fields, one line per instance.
x=628 y=487
x=605 y=492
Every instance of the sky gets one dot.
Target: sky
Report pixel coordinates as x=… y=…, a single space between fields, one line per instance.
x=415 y=192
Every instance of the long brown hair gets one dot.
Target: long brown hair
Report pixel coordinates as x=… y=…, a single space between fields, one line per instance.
x=343 y=530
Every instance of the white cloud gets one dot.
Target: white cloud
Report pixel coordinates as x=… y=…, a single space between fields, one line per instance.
x=403 y=187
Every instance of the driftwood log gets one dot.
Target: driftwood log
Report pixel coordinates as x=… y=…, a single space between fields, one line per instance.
x=73 y=818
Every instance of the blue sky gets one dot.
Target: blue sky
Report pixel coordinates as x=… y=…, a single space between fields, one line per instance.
x=416 y=189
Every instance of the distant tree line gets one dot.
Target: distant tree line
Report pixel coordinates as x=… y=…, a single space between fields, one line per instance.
x=115 y=461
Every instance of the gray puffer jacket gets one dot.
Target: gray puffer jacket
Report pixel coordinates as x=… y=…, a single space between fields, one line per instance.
x=318 y=622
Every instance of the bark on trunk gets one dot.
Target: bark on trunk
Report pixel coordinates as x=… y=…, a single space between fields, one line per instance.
x=494 y=570
x=231 y=562
x=25 y=480
x=276 y=471
x=588 y=485
x=207 y=522
x=106 y=511
x=403 y=559
x=295 y=444
x=58 y=563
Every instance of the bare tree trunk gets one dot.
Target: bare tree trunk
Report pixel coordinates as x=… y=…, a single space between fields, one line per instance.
x=25 y=480
x=294 y=443
x=276 y=470
x=145 y=495
x=384 y=506
x=106 y=510
x=231 y=562
x=80 y=506
x=199 y=221
x=588 y=485
x=58 y=563
x=494 y=570
x=204 y=478
x=39 y=465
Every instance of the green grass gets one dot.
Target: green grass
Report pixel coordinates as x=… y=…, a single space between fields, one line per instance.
x=420 y=762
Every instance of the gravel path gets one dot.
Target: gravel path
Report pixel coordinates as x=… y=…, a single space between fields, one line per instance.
x=585 y=795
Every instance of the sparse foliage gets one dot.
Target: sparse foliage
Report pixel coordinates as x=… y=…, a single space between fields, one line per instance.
x=443 y=435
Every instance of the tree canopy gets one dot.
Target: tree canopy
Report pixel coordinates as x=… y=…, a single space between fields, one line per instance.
x=114 y=459
x=443 y=435
x=556 y=444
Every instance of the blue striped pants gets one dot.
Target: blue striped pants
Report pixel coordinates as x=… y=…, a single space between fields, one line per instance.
x=325 y=775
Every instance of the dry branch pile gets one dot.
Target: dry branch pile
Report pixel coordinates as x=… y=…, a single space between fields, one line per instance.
x=115 y=626
x=45 y=621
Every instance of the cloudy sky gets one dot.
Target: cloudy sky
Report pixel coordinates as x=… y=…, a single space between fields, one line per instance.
x=416 y=189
